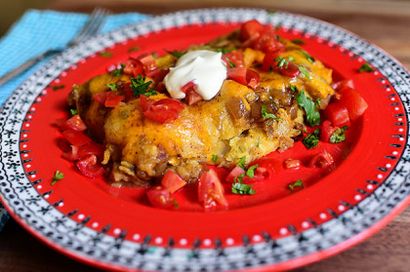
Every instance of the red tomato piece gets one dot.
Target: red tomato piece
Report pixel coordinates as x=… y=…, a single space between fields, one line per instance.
x=252 y=78
x=290 y=70
x=269 y=61
x=340 y=85
x=211 y=192
x=354 y=103
x=161 y=111
x=337 y=113
x=322 y=160
x=235 y=172
x=188 y=87
x=326 y=131
x=192 y=96
x=268 y=43
x=261 y=173
x=133 y=67
x=75 y=123
x=250 y=29
x=88 y=167
x=71 y=155
x=172 y=181
x=148 y=63
x=234 y=57
x=292 y=164
x=161 y=198
x=76 y=138
x=100 y=97
x=157 y=74
x=91 y=148
x=238 y=74
x=112 y=99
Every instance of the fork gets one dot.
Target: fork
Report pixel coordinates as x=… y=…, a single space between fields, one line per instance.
x=91 y=27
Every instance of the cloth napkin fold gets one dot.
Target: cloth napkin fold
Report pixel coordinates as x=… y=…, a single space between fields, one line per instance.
x=37 y=31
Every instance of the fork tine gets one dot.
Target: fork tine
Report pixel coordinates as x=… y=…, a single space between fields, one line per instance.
x=92 y=26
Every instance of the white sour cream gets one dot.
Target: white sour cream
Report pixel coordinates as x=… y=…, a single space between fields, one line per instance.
x=203 y=67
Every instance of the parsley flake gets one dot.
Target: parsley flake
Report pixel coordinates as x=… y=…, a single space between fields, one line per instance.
x=304 y=71
x=282 y=62
x=242 y=189
x=58 y=175
x=140 y=87
x=112 y=86
x=73 y=111
x=105 y=54
x=307 y=56
x=298 y=41
x=133 y=49
x=251 y=171
x=312 y=113
x=338 y=135
x=241 y=163
x=266 y=114
x=119 y=71
x=293 y=88
x=214 y=158
x=177 y=54
x=365 y=68
x=297 y=185
x=312 y=140
x=231 y=64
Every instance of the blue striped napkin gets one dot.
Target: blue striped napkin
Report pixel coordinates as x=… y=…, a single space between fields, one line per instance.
x=38 y=31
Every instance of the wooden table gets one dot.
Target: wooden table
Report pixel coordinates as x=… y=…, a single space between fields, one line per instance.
x=385 y=23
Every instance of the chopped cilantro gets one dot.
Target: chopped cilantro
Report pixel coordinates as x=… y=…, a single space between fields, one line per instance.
x=312 y=140
x=338 y=135
x=112 y=86
x=58 y=175
x=312 y=113
x=140 y=87
x=57 y=87
x=241 y=162
x=242 y=189
x=224 y=50
x=307 y=56
x=118 y=72
x=133 y=49
x=295 y=185
x=304 y=71
x=298 y=41
x=231 y=64
x=177 y=54
x=251 y=171
x=282 y=62
x=266 y=114
x=105 y=54
x=73 y=111
x=365 y=68
x=214 y=158
x=293 y=88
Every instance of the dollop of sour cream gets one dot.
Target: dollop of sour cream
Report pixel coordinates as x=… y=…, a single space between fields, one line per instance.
x=205 y=68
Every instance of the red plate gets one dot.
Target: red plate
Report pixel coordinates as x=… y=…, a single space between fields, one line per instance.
x=273 y=229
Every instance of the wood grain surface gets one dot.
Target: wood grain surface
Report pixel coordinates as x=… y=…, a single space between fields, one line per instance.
x=385 y=23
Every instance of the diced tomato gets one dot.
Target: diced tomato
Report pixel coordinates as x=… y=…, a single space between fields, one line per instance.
x=161 y=111
x=244 y=76
x=270 y=63
x=192 y=96
x=238 y=74
x=252 y=78
x=188 y=87
x=251 y=29
x=290 y=70
x=88 y=167
x=161 y=198
x=261 y=173
x=172 y=181
x=148 y=63
x=157 y=74
x=348 y=83
x=71 y=155
x=354 y=103
x=292 y=164
x=76 y=138
x=112 y=99
x=322 y=160
x=337 y=113
x=326 y=131
x=267 y=42
x=211 y=192
x=75 y=123
x=235 y=172
x=234 y=57
x=91 y=148
x=100 y=97
x=133 y=67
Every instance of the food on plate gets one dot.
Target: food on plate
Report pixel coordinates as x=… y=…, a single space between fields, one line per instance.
x=163 y=121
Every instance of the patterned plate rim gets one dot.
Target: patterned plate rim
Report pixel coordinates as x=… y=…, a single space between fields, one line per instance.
x=97 y=248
